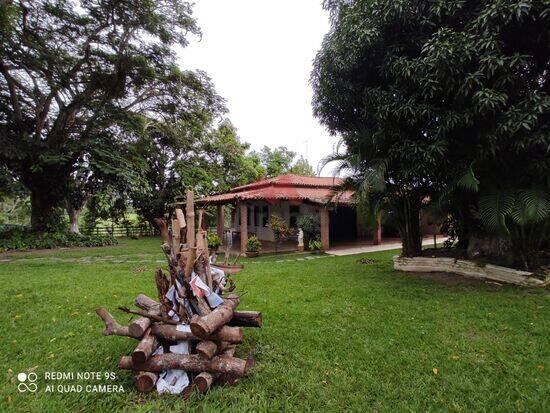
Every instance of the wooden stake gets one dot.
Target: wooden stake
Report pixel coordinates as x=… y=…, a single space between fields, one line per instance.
x=190 y=214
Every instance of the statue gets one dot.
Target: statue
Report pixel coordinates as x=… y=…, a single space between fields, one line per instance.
x=300 y=240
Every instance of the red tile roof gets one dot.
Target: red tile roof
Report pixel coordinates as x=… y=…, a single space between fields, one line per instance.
x=288 y=187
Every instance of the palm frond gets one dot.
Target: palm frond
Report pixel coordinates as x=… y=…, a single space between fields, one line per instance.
x=469 y=181
x=493 y=210
x=531 y=206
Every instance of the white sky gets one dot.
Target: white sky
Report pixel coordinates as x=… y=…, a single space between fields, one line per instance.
x=259 y=55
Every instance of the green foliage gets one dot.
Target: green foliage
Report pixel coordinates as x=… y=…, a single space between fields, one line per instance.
x=21 y=238
x=76 y=81
x=315 y=245
x=253 y=244
x=280 y=228
x=302 y=167
x=440 y=99
x=197 y=153
x=310 y=225
x=214 y=241
x=281 y=160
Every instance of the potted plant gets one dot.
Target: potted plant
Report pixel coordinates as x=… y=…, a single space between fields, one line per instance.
x=253 y=247
x=315 y=246
x=214 y=241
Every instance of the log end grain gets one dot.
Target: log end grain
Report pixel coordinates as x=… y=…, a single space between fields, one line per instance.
x=145 y=381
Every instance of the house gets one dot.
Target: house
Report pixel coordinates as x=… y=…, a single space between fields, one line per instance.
x=289 y=196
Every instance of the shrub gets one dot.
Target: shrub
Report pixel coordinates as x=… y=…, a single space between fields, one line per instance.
x=253 y=244
x=280 y=228
x=23 y=238
x=315 y=245
x=214 y=241
x=310 y=225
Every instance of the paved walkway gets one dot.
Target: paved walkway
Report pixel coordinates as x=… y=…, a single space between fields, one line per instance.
x=373 y=248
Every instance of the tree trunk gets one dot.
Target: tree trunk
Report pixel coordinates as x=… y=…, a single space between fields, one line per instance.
x=73 y=218
x=411 y=234
x=43 y=217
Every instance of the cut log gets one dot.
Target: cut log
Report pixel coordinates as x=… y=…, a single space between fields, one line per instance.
x=139 y=326
x=145 y=348
x=186 y=362
x=176 y=234
x=146 y=303
x=233 y=335
x=206 y=349
x=190 y=218
x=163 y=285
x=246 y=319
x=114 y=328
x=190 y=262
x=146 y=380
x=205 y=326
x=203 y=382
x=181 y=218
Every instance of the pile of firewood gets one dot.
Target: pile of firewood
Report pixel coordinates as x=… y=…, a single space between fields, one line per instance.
x=187 y=339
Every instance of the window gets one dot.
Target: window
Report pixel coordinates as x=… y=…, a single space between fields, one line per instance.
x=265 y=215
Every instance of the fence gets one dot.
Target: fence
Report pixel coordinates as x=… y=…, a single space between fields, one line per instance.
x=123 y=230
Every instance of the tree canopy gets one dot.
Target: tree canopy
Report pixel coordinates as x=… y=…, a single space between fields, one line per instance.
x=442 y=100
x=76 y=76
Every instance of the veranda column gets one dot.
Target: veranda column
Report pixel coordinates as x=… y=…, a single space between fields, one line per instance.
x=220 y=221
x=325 y=225
x=244 y=225
x=377 y=234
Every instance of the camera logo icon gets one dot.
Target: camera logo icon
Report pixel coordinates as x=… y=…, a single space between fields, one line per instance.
x=27 y=382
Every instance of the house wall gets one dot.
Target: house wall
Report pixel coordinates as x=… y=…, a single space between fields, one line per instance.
x=283 y=209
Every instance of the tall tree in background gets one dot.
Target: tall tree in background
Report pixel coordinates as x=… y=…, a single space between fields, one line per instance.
x=281 y=160
x=72 y=71
x=190 y=152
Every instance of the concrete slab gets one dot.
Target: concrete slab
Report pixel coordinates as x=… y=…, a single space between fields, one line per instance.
x=374 y=248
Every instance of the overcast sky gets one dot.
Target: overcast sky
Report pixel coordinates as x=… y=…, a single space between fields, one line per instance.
x=259 y=54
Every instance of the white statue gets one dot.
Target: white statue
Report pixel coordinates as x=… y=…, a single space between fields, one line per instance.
x=300 y=238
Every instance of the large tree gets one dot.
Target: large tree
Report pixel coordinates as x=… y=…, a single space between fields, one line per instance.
x=72 y=72
x=194 y=152
x=432 y=98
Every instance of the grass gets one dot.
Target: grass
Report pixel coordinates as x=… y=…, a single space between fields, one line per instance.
x=337 y=336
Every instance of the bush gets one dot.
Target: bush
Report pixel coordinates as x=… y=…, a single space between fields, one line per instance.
x=253 y=244
x=315 y=245
x=22 y=238
x=310 y=225
x=214 y=241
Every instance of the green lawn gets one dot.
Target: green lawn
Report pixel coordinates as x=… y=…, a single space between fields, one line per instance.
x=337 y=336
